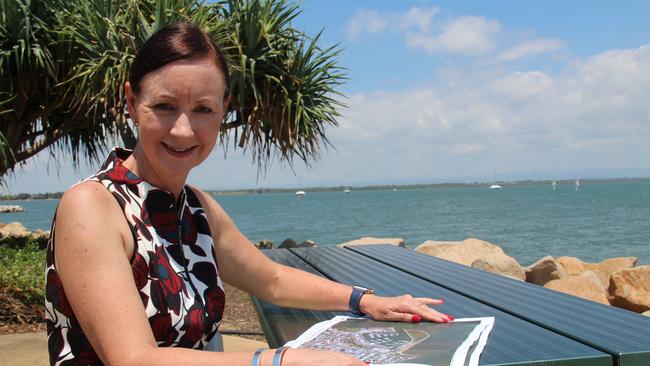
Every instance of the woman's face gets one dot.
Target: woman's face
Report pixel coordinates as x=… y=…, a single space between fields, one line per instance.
x=179 y=109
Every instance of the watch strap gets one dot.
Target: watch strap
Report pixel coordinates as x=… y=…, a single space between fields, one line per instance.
x=355 y=300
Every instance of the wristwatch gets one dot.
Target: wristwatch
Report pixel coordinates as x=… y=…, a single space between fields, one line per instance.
x=355 y=298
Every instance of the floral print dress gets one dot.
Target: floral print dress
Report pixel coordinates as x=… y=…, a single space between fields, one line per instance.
x=174 y=269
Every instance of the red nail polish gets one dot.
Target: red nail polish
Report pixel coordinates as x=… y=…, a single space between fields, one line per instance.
x=450 y=317
x=416 y=319
x=442 y=301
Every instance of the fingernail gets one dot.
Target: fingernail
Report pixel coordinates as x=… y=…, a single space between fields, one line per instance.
x=416 y=319
x=450 y=317
x=442 y=301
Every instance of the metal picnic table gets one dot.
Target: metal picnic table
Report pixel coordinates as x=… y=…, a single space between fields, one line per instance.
x=533 y=325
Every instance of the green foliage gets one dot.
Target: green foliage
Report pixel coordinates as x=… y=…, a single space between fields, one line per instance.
x=63 y=65
x=31 y=196
x=22 y=272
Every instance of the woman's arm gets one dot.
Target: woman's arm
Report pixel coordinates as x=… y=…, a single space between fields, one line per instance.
x=92 y=262
x=244 y=266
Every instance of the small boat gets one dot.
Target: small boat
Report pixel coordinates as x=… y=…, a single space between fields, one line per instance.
x=300 y=193
x=346 y=191
x=495 y=185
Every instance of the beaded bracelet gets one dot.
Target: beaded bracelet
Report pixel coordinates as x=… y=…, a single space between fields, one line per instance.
x=277 y=356
x=257 y=357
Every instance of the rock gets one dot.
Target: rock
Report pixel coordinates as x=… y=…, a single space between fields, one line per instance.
x=288 y=243
x=265 y=244
x=38 y=234
x=465 y=252
x=585 y=285
x=646 y=313
x=500 y=264
x=605 y=268
x=370 y=240
x=15 y=229
x=476 y=253
x=11 y=208
x=630 y=289
x=572 y=265
x=544 y=270
x=307 y=244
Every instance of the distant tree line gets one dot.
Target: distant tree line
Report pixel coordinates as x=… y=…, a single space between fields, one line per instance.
x=30 y=196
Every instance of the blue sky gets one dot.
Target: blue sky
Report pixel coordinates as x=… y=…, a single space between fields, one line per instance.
x=456 y=91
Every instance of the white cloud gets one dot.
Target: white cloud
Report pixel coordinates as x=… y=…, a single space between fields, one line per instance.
x=468 y=35
x=366 y=21
x=594 y=114
x=531 y=48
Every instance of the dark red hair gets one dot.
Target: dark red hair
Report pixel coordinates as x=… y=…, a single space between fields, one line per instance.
x=177 y=41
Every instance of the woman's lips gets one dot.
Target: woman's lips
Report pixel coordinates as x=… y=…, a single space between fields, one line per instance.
x=180 y=152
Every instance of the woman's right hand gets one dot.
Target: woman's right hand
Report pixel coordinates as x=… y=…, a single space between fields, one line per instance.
x=303 y=357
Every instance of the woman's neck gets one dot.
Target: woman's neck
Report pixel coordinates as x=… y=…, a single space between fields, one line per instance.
x=138 y=163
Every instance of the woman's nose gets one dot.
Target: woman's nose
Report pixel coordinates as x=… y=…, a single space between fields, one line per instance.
x=182 y=126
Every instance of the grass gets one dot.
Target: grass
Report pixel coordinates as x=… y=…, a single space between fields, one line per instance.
x=22 y=271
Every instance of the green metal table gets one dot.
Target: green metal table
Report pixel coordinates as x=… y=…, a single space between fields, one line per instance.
x=533 y=325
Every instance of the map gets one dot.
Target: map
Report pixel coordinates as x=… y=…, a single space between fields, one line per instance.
x=458 y=343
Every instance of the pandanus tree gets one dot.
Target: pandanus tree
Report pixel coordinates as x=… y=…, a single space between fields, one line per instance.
x=63 y=65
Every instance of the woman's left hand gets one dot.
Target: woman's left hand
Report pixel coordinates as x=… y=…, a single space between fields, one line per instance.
x=405 y=308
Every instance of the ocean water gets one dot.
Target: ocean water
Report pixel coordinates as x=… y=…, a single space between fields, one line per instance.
x=596 y=222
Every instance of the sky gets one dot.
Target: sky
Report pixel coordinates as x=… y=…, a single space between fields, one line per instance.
x=458 y=91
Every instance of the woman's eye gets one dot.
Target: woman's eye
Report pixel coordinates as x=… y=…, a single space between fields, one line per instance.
x=163 y=106
x=203 y=110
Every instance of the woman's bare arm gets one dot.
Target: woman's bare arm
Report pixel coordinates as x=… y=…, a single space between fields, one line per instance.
x=244 y=266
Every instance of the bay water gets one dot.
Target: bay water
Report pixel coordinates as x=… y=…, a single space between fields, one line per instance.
x=595 y=222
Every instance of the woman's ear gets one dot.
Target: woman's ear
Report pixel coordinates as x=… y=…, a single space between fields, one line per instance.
x=130 y=100
x=226 y=103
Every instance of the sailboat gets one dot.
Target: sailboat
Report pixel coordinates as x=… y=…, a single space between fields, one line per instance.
x=495 y=185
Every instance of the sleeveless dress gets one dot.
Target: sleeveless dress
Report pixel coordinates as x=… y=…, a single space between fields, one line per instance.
x=174 y=268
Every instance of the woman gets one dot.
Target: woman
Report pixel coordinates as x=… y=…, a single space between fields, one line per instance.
x=137 y=258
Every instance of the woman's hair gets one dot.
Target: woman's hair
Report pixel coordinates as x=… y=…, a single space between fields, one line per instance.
x=171 y=43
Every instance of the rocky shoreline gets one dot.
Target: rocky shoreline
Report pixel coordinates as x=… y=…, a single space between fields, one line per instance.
x=11 y=208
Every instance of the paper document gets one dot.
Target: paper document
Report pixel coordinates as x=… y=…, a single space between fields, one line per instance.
x=458 y=343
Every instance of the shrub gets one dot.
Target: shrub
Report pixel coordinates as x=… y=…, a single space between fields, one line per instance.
x=22 y=272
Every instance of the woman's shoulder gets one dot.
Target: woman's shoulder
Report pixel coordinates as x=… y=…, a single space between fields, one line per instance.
x=89 y=198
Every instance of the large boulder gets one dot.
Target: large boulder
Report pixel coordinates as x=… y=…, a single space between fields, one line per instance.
x=630 y=289
x=288 y=243
x=500 y=264
x=605 y=268
x=544 y=270
x=370 y=240
x=572 y=265
x=14 y=229
x=476 y=253
x=464 y=252
x=586 y=285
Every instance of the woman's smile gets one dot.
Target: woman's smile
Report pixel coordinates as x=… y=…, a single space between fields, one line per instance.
x=179 y=151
